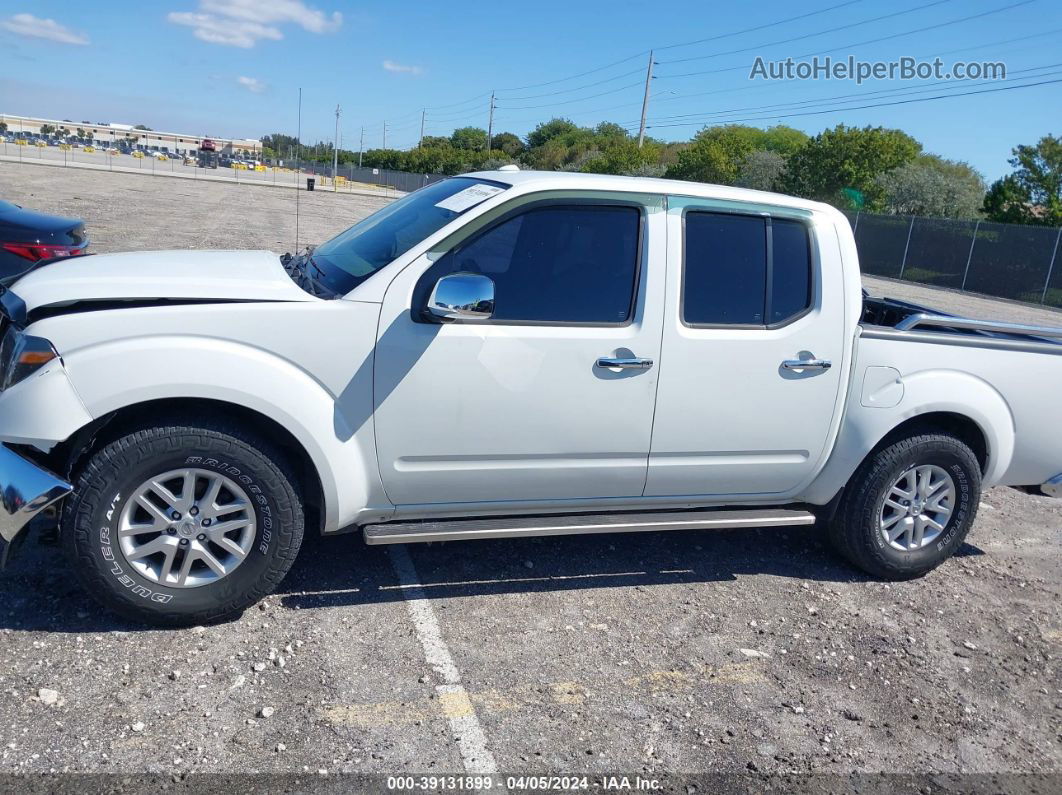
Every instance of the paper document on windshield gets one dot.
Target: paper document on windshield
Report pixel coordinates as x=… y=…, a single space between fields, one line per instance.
x=469 y=197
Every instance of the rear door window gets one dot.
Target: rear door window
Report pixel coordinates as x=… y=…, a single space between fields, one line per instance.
x=744 y=270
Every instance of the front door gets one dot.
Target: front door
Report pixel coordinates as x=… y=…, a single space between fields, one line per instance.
x=516 y=409
x=754 y=340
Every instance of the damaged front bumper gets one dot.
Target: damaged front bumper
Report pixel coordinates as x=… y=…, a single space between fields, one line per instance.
x=25 y=491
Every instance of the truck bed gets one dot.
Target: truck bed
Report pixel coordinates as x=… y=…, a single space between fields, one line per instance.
x=898 y=315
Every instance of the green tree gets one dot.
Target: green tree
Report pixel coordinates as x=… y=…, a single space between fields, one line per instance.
x=716 y=154
x=142 y=127
x=81 y=133
x=622 y=157
x=781 y=139
x=280 y=143
x=548 y=130
x=47 y=129
x=432 y=141
x=469 y=138
x=760 y=170
x=933 y=186
x=1007 y=202
x=507 y=142
x=385 y=158
x=610 y=132
x=1033 y=193
x=3 y=126
x=841 y=166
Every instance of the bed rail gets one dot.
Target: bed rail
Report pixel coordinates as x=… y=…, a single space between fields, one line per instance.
x=925 y=319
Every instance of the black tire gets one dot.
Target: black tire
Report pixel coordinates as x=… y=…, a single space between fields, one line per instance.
x=90 y=518
x=854 y=529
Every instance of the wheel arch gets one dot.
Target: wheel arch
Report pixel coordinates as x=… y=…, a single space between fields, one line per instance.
x=70 y=455
x=942 y=401
x=952 y=423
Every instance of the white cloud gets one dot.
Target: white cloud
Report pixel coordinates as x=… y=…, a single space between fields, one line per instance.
x=266 y=11
x=242 y=23
x=29 y=25
x=391 y=66
x=221 y=31
x=252 y=84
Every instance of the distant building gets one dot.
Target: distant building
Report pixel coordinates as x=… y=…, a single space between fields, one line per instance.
x=113 y=134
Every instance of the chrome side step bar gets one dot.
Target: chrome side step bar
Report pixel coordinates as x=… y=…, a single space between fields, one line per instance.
x=522 y=526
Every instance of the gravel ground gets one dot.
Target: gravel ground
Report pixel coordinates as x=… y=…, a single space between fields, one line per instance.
x=732 y=652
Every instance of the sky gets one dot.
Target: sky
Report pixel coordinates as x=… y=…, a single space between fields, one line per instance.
x=235 y=67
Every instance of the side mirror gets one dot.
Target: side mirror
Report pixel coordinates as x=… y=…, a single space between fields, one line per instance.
x=462 y=296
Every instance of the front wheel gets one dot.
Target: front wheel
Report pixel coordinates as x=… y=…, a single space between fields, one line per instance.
x=909 y=506
x=183 y=524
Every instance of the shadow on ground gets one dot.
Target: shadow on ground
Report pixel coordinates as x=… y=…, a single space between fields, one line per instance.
x=38 y=593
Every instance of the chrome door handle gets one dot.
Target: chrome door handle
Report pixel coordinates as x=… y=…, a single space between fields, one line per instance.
x=807 y=364
x=625 y=364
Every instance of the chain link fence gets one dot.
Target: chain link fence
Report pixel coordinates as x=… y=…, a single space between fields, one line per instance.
x=1015 y=261
x=402 y=181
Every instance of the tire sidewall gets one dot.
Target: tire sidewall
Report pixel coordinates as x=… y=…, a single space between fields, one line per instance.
x=100 y=510
x=954 y=459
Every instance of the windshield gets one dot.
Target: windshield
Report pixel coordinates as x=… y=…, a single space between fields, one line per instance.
x=352 y=256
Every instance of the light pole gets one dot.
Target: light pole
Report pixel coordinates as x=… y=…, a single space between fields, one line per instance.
x=335 y=153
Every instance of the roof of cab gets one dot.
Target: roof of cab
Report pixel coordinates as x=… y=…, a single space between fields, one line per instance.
x=571 y=180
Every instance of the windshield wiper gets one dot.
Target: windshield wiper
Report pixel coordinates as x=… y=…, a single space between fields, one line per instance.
x=298 y=270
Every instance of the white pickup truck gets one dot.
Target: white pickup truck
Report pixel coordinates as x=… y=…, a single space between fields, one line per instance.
x=504 y=354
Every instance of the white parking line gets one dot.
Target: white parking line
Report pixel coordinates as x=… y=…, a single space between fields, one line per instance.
x=453 y=698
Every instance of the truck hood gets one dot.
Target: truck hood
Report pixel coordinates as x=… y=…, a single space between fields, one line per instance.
x=160 y=275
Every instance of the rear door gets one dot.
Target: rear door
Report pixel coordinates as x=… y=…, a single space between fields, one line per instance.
x=754 y=340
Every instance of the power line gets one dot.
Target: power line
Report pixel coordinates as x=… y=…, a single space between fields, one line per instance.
x=864 y=107
x=476 y=98
x=578 y=88
x=759 y=27
x=462 y=110
x=682 y=44
x=860 y=95
x=812 y=35
x=786 y=84
x=579 y=112
x=837 y=102
x=574 y=77
x=465 y=114
x=867 y=41
x=570 y=101
x=997 y=43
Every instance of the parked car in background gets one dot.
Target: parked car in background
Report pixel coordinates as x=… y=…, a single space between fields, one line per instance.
x=28 y=237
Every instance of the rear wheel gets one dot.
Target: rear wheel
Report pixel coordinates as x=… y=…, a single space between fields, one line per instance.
x=909 y=506
x=183 y=524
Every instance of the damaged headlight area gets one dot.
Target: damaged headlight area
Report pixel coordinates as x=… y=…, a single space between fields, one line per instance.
x=21 y=355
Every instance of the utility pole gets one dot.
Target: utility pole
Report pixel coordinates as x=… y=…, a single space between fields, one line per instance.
x=385 y=136
x=421 y=139
x=490 y=122
x=335 y=153
x=645 y=100
x=298 y=145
